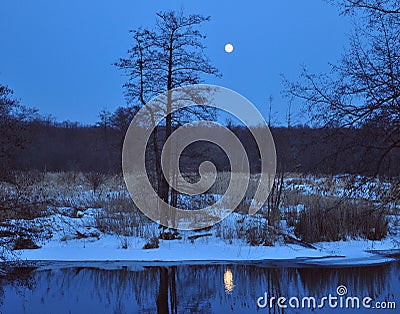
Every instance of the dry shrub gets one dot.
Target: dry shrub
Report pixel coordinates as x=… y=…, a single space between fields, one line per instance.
x=121 y=217
x=25 y=196
x=152 y=244
x=332 y=219
x=95 y=179
x=252 y=229
x=261 y=234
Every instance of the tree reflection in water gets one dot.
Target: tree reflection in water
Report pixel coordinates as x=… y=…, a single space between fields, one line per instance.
x=140 y=288
x=167 y=283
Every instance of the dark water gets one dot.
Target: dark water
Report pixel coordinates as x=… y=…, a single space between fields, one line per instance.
x=168 y=288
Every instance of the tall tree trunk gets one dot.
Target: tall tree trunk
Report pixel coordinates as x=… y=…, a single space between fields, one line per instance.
x=165 y=188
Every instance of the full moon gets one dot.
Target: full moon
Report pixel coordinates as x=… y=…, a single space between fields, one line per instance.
x=228 y=48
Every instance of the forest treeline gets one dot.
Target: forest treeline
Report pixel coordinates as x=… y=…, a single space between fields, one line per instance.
x=45 y=145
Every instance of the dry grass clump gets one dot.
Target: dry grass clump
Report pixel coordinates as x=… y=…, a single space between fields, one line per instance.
x=332 y=219
x=25 y=196
x=120 y=216
x=254 y=230
x=152 y=244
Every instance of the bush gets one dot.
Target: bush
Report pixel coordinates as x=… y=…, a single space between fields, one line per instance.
x=121 y=217
x=262 y=234
x=25 y=243
x=95 y=179
x=152 y=244
x=24 y=197
x=329 y=219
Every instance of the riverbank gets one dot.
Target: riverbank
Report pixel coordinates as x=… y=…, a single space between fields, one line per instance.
x=354 y=252
x=77 y=223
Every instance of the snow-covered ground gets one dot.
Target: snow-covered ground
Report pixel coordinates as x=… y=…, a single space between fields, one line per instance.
x=76 y=239
x=106 y=249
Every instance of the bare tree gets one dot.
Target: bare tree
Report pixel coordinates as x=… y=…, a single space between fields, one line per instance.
x=169 y=56
x=12 y=129
x=363 y=90
x=371 y=7
x=122 y=117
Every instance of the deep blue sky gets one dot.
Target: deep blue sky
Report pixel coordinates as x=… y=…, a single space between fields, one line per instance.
x=58 y=55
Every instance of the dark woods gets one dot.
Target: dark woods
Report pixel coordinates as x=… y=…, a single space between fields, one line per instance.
x=42 y=144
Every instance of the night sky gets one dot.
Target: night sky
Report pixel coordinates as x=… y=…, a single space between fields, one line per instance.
x=57 y=55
